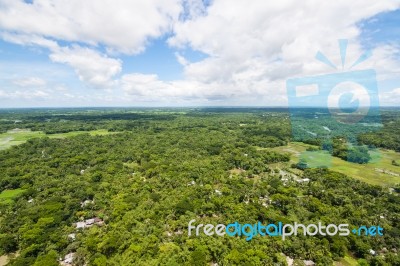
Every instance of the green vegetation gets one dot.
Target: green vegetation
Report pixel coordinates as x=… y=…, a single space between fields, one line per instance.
x=159 y=169
x=9 y=194
x=388 y=137
x=348 y=260
x=342 y=149
x=379 y=171
x=18 y=136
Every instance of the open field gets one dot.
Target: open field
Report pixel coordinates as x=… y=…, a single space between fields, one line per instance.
x=99 y=132
x=379 y=171
x=19 y=136
x=7 y=195
x=348 y=260
x=16 y=137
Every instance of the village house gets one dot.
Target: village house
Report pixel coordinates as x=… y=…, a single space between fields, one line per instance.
x=72 y=236
x=86 y=203
x=304 y=180
x=89 y=222
x=68 y=259
x=218 y=192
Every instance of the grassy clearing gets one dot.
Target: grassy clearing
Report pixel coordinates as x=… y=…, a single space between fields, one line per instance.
x=99 y=132
x=8 y=195
x=132 y=165
x=346 y=261
x=370 y=172
x=16 y=137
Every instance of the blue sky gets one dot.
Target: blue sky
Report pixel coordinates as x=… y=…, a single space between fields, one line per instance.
x=160 y=58
x=381 y=29
x=185 y=53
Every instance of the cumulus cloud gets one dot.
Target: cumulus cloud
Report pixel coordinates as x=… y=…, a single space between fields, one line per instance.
x=24 y=94
x=29 y=39
x=122 y=25
x=91 y=67
x=30 y=82
x=181 y=59
x=391 y=97
x=257 y=45
x=289 y=28
x=251 y=48
x=150 y=88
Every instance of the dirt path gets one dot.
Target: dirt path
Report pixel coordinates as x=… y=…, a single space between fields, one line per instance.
x=3 y=260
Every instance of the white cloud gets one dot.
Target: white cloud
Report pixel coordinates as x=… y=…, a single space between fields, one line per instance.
x=91 y=67
x=24 y=94
x=29 y=39
x=252 y=47
x=30 y=82
x=255 y=46
x=391 y=97
x=181 y=59
x=148 y=87
x=385 y=61
x=151 y=88
x=140 y=84
x=237 y=29
x=122 y=25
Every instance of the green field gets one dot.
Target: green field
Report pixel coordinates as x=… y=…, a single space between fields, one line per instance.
x=19 y=136
x=8 y=195
x=348 y=260
x=381 y=159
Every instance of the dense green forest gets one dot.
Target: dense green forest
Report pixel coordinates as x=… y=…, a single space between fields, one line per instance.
x=162 y=168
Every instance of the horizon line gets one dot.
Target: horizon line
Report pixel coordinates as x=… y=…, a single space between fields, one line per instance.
x=176 y=107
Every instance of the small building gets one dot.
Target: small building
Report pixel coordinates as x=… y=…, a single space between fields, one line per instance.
x=68 y=259
x=98 y=221
x=309 y=263
x=89 y=222
x=80 y=225
x=86 y=203
x=72 y=236
x=304 y=180
x=192 y=183
x=372 y=252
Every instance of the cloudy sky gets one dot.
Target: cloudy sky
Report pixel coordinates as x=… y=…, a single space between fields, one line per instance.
x=187 y=52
